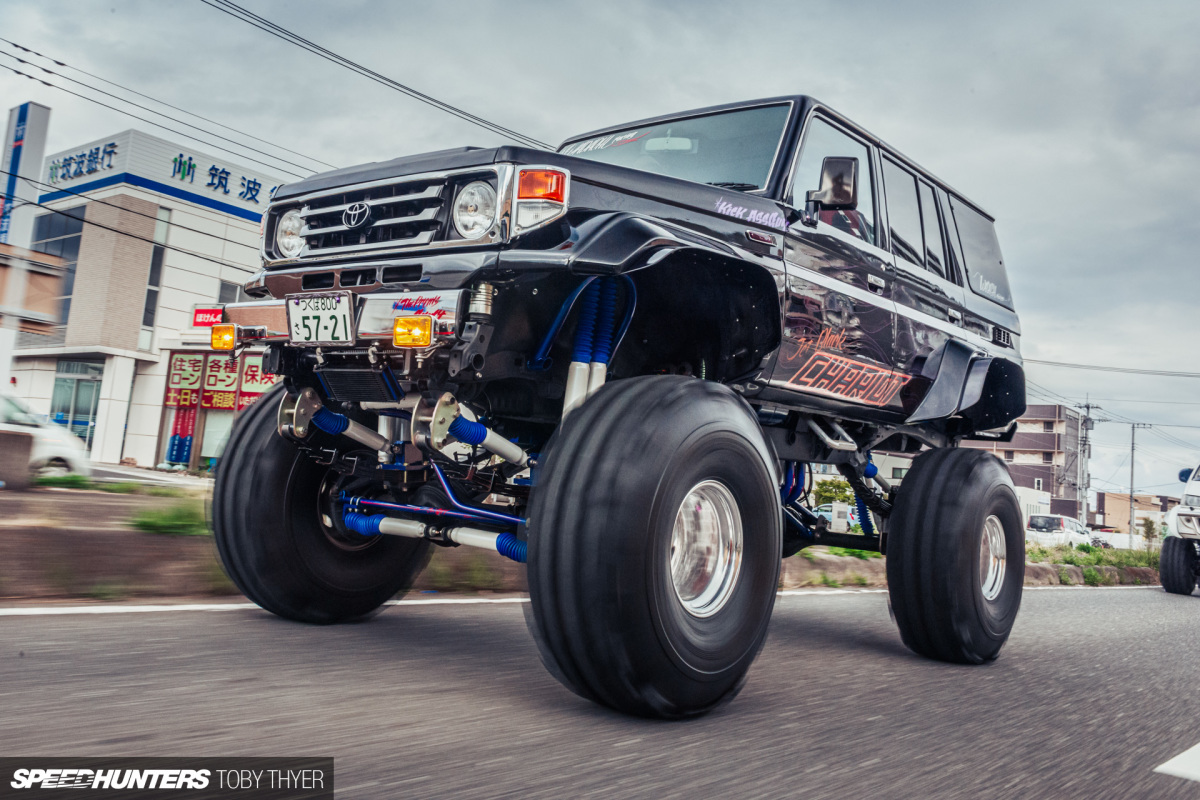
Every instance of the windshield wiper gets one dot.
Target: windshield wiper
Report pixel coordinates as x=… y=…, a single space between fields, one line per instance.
x=741 y=187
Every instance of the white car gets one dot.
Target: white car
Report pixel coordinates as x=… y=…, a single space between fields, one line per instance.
x=55 y=449
x=1054 y=529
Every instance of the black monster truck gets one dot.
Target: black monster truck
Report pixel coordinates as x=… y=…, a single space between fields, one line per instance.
x=618 y=362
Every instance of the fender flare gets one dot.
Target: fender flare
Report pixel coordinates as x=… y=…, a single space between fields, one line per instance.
x=619 y=242
x=988 y=391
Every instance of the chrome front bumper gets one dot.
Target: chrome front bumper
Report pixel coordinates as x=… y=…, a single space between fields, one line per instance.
x=374 y=315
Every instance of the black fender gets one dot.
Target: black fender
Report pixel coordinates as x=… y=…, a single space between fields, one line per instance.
x=987 y=391
x=616 y=243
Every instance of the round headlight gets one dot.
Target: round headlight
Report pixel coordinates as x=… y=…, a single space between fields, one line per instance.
x=288 y=240
x=475 y=210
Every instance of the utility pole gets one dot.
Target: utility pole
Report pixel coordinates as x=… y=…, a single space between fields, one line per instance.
x=1081 y=459
x=1133 y=426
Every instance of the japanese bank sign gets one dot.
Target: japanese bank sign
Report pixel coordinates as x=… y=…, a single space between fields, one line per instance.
x=156 y=164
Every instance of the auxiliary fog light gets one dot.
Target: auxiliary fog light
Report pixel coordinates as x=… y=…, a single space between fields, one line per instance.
x=413 y=331
x=224 y=336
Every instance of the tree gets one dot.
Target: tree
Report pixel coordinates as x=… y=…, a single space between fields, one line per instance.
x=1149 y=531
x=834 y=490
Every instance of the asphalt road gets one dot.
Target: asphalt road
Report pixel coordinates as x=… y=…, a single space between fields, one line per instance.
x=1095 y=689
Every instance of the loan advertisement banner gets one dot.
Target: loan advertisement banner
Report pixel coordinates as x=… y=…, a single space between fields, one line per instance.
x=220 y=383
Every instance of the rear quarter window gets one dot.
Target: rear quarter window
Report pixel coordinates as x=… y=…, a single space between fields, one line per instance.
x=981 y=252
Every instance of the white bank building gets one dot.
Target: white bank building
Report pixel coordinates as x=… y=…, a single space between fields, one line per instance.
x=156 y=236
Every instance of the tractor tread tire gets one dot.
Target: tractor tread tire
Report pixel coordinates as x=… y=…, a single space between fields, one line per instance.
x=933 y=556
x=1177 y=565
x=267 y=533
x=603 y=625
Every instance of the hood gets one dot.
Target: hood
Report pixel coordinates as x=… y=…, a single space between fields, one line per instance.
x=454 y=158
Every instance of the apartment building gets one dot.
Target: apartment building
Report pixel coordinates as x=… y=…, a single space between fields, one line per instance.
x=1048 y=453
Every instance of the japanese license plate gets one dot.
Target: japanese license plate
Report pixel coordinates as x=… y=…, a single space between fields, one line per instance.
x=321 y=318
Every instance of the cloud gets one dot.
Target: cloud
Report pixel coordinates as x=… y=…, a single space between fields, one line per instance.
x=1076 y=124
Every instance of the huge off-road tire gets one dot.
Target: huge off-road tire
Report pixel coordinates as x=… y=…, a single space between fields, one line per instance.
x=654 y=542
x=956 y=556
x=276 y=537
x=1177 y=565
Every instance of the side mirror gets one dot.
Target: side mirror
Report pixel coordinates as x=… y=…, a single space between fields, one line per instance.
x=1185 y=475
x=839 y=189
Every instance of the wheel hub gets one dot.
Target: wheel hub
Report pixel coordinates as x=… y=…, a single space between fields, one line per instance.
x=993 y=558
x=706 y=548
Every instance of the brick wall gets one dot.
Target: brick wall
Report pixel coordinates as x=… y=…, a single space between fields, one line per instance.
x=110 y=278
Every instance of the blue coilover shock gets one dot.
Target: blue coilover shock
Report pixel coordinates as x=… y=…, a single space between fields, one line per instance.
x=330 y=422
x=585 y=330
x=468 y=432
x=510 y=546
x=606 y=322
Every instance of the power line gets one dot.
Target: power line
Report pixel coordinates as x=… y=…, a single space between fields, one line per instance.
x=1129 y=370
x=91 y=199
x=1137 y=400
x=148 y=121
x=160 y=102
x=168 y=116
x=263 y=24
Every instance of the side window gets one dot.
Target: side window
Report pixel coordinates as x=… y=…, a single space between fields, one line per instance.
x=904 y=213
x=981 y=253
x=822 y=140
x=935 y=255
x=954 y=259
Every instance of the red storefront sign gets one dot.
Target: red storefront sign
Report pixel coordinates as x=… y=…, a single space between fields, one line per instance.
x=211 y=381
x=254 y=381
x=183 y=380
x=206 y=317
x=220 y=383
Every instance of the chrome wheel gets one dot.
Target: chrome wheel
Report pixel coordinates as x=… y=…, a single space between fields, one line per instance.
x=993 y=558
x=706 y=548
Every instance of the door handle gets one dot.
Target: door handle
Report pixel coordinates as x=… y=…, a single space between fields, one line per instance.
x=955 y=315
x=876 y=283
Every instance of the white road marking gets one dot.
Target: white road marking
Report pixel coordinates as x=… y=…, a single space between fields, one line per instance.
x=1088 y=588
x=52 y=611
x=1184 y=765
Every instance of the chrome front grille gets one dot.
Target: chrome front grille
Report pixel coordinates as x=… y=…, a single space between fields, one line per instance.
x=407 y=213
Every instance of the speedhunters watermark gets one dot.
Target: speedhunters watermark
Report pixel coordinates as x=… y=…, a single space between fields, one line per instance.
x=150 y=778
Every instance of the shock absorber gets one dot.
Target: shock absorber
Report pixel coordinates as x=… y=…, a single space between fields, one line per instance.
x=433 y=427
x=296 y=417
x=506 y=544
x=602 y=346
x=581 y=356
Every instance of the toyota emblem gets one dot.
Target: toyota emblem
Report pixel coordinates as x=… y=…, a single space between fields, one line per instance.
x=356 y=216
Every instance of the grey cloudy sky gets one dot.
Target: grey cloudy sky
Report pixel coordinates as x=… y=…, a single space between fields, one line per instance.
x=1076 y=124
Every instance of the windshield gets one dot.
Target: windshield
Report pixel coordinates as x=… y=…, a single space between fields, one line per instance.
x=14 y=412
x=1040 y=523
x=732 y=149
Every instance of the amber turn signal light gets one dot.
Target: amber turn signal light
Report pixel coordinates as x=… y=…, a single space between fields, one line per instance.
x=224 y=336
x=413 y=331
x=542 y=184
